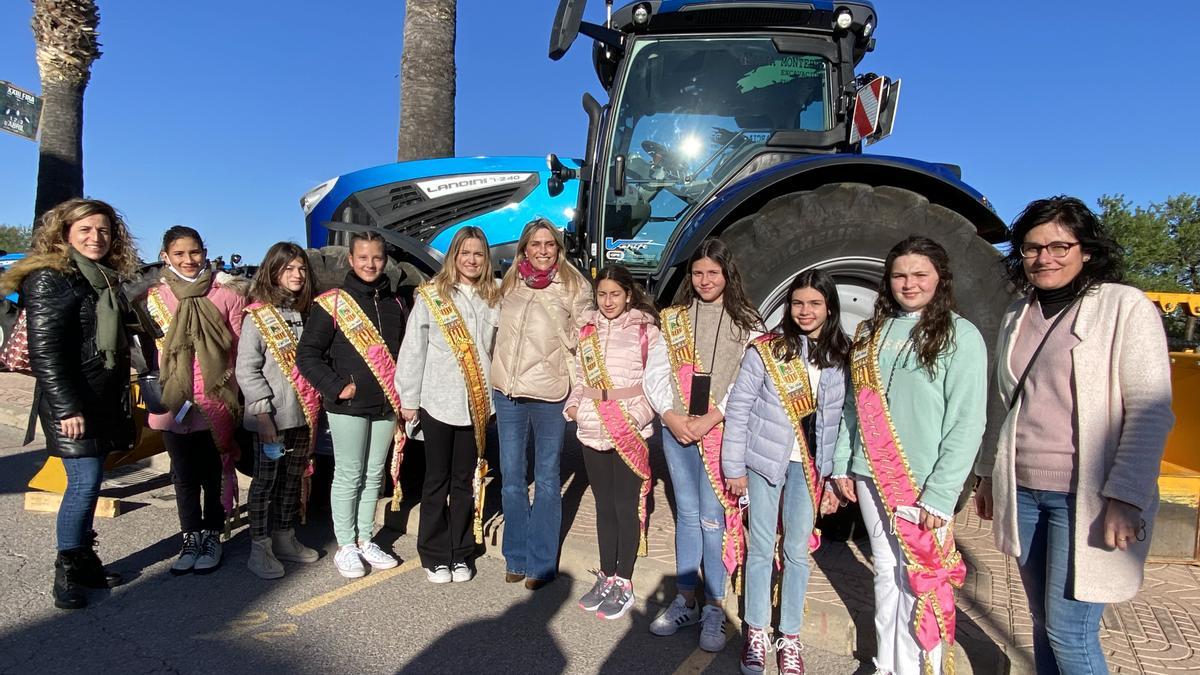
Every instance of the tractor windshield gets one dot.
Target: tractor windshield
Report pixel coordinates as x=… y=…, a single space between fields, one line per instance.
x=690 y=113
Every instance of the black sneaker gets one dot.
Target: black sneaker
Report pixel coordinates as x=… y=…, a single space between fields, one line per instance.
x=620 y=599
x=592 y=599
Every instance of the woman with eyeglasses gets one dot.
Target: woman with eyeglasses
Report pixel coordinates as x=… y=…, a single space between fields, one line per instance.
x=1072 y=484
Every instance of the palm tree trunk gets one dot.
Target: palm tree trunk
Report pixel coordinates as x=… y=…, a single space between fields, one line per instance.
x=66 y=44
x=60 y=151
x=427 y=80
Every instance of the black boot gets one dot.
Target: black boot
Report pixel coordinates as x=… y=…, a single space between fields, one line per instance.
x=67 y=592
x=92 y=573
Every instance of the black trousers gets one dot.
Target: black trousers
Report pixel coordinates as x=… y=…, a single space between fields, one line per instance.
x=617 y=490
x=444 y=534
x=196 y=469
x=274 y=498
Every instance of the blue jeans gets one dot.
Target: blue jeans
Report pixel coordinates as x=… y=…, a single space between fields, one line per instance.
x=84 y=475
x=797 y=526
x=1066 y=632
x=699 y=520
x=530 y=532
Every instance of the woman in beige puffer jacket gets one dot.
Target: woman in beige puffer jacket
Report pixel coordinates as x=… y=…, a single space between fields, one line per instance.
x=542 y=300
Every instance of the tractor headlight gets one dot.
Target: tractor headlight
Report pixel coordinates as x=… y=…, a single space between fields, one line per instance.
x=844 y=19
x=310 y=199
x=867 y=28
x=641 y=15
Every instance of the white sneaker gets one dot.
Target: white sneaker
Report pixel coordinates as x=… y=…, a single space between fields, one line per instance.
x=210 y=552
x=438 y=574
x=675 y=617
x=712 y=628
x=376 y=557
x=289 y=549
x=461 y=572
x=348 y=562
x=262 y=559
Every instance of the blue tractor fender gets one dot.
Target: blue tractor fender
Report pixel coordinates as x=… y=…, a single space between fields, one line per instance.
x=939 y=183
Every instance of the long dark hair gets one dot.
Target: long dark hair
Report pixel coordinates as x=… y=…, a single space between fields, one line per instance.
x=1104 y=264
x=621 y=276
x=831 y=348
x=934 y=333
x=737 y=306
x=266 y=289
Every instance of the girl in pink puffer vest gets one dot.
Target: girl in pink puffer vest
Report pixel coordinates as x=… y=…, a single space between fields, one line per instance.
x=614 y=420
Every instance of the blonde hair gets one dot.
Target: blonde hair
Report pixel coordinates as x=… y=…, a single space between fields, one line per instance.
x=571 y=277
x=447 y=276
x=51 y=249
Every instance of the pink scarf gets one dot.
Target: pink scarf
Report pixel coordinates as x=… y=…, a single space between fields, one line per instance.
x=533 y=277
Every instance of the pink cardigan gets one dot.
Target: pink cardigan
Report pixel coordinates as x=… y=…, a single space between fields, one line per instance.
x=230 y=305
x=621 y=343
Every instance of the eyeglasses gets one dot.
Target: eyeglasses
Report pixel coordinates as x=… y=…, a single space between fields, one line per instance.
x=1056 y=249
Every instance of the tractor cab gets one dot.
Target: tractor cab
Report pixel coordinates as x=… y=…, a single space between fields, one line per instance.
x=702 y=94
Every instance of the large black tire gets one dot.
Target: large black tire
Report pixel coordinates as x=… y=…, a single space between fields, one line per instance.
x=844 y=226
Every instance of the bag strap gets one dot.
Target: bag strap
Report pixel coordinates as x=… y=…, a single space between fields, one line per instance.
x=1029 y=366
x=644 y=342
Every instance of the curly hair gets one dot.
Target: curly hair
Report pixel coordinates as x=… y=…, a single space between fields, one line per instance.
x=621 y=276
x=266 y=289
x=745 y=315
x=934 y=333
x=51 y=247
x=1105 y=257
x=832 y=348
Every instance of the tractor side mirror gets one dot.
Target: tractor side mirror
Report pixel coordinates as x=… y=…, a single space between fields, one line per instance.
x=566 y=27
x=559 y=174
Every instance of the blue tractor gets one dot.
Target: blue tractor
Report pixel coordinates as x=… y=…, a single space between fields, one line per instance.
x=744 y=121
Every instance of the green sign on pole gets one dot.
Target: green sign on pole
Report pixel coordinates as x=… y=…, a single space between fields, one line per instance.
x=21 y=111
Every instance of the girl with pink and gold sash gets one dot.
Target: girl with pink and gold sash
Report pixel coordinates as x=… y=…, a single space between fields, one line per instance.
x=704 y=337
x=912 y=430
x=200 y=320
x=282 y=407
x=614 y=420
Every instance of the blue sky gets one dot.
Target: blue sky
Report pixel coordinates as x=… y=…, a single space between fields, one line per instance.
x=220 y=114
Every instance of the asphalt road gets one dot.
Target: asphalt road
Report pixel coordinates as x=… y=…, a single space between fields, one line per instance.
x=312 y=620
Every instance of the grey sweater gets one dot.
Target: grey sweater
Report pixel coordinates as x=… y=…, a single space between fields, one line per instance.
x=427 y=372
x=265 y=387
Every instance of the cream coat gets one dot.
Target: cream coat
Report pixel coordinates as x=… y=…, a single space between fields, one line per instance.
x=536 y=339
x=1123 y=397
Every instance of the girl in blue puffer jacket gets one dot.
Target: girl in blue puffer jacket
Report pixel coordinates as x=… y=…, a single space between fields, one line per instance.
x=781 y=426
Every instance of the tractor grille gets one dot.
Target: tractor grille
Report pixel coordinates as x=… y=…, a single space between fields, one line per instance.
x=394 y=198
x=439 y=213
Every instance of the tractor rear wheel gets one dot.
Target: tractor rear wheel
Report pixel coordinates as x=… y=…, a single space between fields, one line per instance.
x=847 y=229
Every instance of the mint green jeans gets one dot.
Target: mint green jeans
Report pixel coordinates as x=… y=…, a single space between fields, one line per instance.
x=360 y=451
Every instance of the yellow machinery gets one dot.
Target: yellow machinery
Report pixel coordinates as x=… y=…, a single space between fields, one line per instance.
x=53 y=477
x=1177 y=528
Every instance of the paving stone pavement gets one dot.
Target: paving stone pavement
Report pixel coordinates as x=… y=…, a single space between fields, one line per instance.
x=1158 y=632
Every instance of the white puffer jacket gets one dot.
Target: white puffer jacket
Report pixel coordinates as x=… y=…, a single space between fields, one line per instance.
x=536 y=340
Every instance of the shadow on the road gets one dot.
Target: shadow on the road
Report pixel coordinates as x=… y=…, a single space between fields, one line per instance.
x=16 y=469
x=525 y=626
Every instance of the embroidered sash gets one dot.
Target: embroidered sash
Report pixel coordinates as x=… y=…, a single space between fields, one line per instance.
x=479 y=400
x=681 y=351
x=935 y=567
x=617 y=423
x=796 y=391
x=353 y=322
x=220 y=418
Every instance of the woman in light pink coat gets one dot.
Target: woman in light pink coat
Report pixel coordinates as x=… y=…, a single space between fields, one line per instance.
x=614 y=420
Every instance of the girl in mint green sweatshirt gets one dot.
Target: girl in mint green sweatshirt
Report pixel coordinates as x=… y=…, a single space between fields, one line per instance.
x=932 y=374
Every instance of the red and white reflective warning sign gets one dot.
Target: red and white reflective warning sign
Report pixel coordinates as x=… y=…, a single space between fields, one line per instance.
x=866 y=110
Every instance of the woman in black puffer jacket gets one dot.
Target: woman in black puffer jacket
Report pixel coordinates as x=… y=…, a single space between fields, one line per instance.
x=79 y=352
